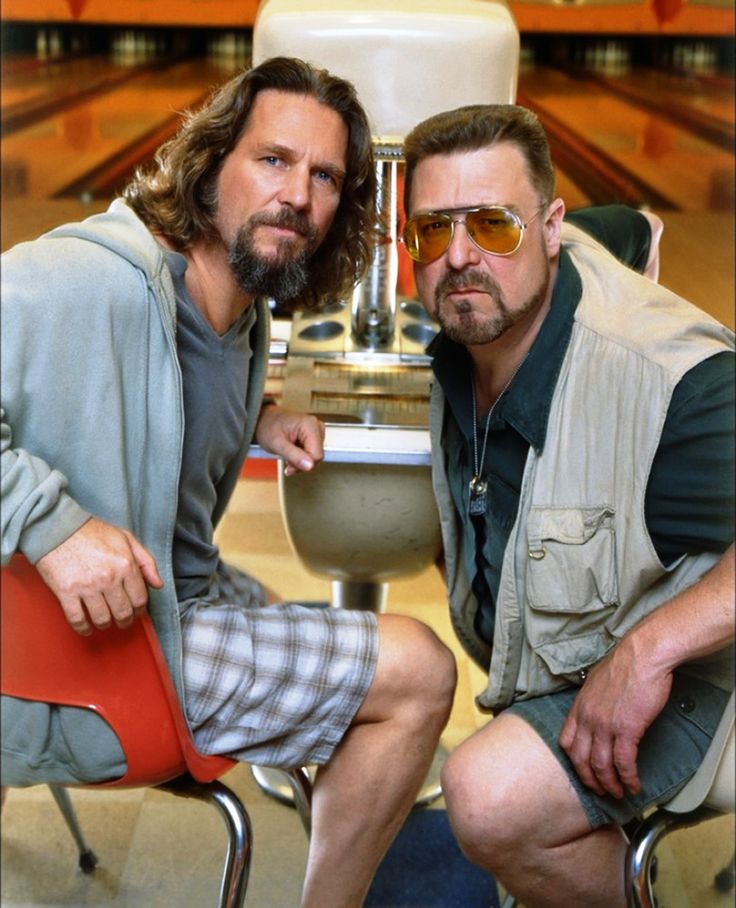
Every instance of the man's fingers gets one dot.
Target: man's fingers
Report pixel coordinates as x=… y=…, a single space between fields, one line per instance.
x=625 y=753
x=147 y=565
x=98 y=611
x=577 y=743
x=567 y=735
x=76 y=615
x=601 y=763
x=121 y=603
x=297 y=461
x=83 y=614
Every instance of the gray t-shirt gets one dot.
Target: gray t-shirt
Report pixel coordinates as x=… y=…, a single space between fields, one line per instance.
x=214 y=372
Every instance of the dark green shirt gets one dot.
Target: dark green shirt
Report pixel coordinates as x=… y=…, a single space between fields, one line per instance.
x=689 y=503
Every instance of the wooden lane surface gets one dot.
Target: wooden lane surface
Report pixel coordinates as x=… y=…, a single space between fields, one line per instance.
x=43 y=158
x=31 y=93
x=688 y=171
x=22 y=85
x=713 y=97
x=703 y=106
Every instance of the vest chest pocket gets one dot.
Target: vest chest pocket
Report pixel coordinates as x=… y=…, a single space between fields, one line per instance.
x=571 y=565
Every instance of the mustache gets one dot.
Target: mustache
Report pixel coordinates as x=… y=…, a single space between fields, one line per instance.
x=470 y=277
x=291 y=220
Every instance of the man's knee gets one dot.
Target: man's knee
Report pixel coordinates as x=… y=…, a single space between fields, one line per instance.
x=416 y=664
x=472 y=807
x=501 y=786
x=489 y=805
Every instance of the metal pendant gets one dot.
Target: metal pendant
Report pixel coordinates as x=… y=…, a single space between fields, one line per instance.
x=478 y=499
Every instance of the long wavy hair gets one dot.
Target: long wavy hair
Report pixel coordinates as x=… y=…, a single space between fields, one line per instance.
x=480 y=126
x=176 y=195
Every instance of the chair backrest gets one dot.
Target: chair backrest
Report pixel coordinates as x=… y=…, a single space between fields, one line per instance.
x=713 y=783
x=120 y=674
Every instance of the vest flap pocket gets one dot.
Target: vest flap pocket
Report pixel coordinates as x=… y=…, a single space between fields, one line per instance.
x=567 y=658
x=571 y=565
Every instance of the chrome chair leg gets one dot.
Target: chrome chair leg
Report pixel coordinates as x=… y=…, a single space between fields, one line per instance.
x=240 y=833
x=640 y=853
x=87 y=857
x=301 y=786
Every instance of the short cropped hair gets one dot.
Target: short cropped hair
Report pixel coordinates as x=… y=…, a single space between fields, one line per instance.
x=177 y=194
x=480 y=126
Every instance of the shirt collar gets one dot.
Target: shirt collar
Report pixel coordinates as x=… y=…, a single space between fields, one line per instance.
x=527 y=402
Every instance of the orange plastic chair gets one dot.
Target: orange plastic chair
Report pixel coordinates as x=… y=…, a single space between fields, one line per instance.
x=123 y=676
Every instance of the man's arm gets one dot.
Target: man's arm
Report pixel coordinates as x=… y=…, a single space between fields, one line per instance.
x=97 y=571
x=37 y=511
x=627 y=690
x=689 y=508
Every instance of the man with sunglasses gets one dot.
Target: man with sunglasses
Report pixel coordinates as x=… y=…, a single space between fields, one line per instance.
x=582 y=431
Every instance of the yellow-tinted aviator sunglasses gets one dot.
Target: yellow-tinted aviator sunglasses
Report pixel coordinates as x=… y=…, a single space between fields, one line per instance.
x=495 y=229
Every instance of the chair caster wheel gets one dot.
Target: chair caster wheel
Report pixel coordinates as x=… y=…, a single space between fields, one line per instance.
x=87 y=861
x=724 y=881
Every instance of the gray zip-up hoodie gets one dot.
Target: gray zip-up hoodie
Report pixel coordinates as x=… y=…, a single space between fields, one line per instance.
x=92 y=424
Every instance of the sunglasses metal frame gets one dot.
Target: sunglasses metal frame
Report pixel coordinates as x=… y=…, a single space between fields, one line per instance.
x=448 y=212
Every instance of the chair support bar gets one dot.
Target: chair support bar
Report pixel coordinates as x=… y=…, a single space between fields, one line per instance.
x=646 y=838
x=87 y=857
x=240 y=834
x=301 y=786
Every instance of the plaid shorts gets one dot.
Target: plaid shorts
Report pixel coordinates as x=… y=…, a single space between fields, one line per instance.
x=275 y=685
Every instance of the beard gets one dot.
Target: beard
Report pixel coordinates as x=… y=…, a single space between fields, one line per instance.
x=465 y=325
x=283 y=275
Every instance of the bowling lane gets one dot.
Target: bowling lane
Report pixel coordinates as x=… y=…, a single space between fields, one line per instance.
x=24 y=84
x=711 y=97
x=28 y=93
x=702 y=106
x=45 y=157
x=691 y=173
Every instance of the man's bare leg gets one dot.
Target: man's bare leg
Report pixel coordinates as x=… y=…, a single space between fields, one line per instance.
x=515 y=813
x=362 y=796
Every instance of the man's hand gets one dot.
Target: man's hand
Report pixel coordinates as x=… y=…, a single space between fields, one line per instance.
x=627 y=690
x=296 y=437
x=608 y=719
x=99 y=574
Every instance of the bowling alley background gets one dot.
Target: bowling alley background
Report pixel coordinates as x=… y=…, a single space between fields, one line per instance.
x=638 y=102
x=637 y=98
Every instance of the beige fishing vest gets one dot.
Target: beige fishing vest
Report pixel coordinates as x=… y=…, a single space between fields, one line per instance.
x=580 y=568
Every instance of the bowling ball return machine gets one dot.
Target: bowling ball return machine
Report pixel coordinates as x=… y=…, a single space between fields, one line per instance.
x=367 y=515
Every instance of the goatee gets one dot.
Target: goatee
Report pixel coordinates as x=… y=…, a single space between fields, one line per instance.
x=282 y=276
x=464 y=325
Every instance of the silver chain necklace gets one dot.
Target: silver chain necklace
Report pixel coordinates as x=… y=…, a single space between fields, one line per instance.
x=478 y=486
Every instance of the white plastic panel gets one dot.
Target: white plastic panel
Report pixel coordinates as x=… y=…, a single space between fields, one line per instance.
x=408 y=60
